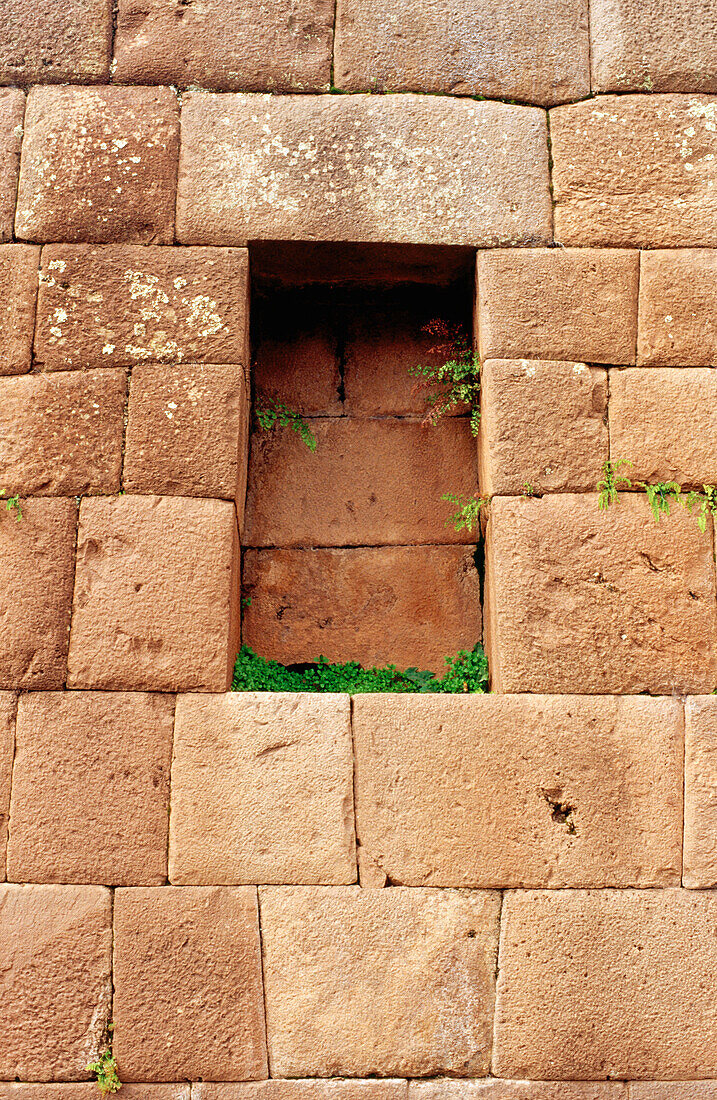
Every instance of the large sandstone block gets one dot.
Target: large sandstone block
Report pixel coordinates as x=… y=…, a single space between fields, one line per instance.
x=551 y=303
x=18 y=293
x=606 y=983
x=378 y=982
x=579 y=600
x=635 y=171
x=66 y=42
x=673 y=1090
x=156 y=595
x=543 y=791
x=309 y=1089
x=262 y=790
x=87 y=1090
x=449 y=1089
x=55 y=979
x=700 y=856
x=117 y=306
x=99 y=164
x=8 y=706
x=678 y=307
x=543 y=426
x=61 y=434
x=37 y=569
x=12 y=110
x=188 y=987
x=460 y=47
x=90 y=796
x=358 y=168
x=376 y=606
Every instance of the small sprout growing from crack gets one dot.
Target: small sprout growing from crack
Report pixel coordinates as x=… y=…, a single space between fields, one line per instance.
x=105 y=1069
x=13 y=504
x=560 y=812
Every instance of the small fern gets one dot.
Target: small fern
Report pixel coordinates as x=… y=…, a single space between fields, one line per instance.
x=468 y=510
x=454 y=382
x=612 y=481
x=660 y=495
x=12 y=504
x=105 y=1070
x=274 y=414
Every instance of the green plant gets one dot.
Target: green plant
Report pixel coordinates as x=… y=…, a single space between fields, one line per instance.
x=454 y=382
x=105 y=1070
x=612 y=481
x=468 y=510
x=705 y=502
x=659 y=496
x=528 y=490
x=13 y=504
x=273 y=414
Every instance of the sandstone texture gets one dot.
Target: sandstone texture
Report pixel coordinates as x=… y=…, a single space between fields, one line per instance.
x=551 y=303
x=309 y=1089
x=188 y=985
x=447 y=1089
x=607 y=983
x=376 y=605
x=156 y=595
x=61 y=434
x=99 y=164
x=678 y=308
x=635 y=171
x=55 y=979
x=700 y=858
x=404 y=169
x=8 y=706
x=543 y=426
x=87 y=1090
x=542 y=791
x=580 y=600
x=117 y=306
x=262 y=790
x=18 y=291
x=90 y=794
x=37 y=562
x=673 y=1090
x=63 y=42
x=460 y=47
x=378 y=982
x=664 y=420
x=253 y=47
x=12 y=110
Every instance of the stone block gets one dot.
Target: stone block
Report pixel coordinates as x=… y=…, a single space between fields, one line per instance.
x=90 y=796
x=156 y=595
x=448 y=1089
x=12 y=110
x=373 y=605
x=562 y=304
x=61 y=434
x=250 y=47
x=378 y=982
x=700 y=856
x=543 y=426
x=8 y=706
x=536 y=791
x=87 y=1090
x=606 y=983
x=673 y=1090
x=37 y=566
x=55 y=979
x=117 y=306
x=188 y=986
x=580 y=600
x=262 y=790
x=635 y=171
x=678 y=307
x=99 y=164
x=309 y=1089
x=360 y=169
x=18 y=293
x=65 y=42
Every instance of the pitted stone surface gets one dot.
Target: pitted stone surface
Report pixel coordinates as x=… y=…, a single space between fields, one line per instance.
x=8 y=706
x=673 y=1090
x=12 y=110
x=87 y=1090
x=678 y=308
x=448 y=1089
x=700 y=860
x=63 y=42
x=18 y=293
x=309 y=1089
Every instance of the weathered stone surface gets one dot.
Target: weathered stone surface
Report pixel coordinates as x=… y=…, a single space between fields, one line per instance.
x=552 y=303
x=8 y=706
x=700 y=856
x=543 y=791
x=188 y=431
x=117 y=306
x=99 y=164
x=250 y=47
x=678 y=308
x=369 y=483
x=543 y=426
x=55 y=979
x=635 y=171
x=87 y=1090
x=262 y=790
x=12 y=110
x=450 y=1089
x=90 y=794
x=309 y=1089
x=188 y=985
x=664 y=421
x=61 y=434
x=673 y=1090
x=387 y=982
x=37 y=566
x=65 y=42
x=463 y=49
x=607 y=983
x=579 y=600
x=355 y=168
x=645 y=46
x=156 y=595
x=370 y=875
x=376 y=606
x=18 y=292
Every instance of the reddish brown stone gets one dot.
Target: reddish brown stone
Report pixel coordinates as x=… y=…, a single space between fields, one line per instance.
x=55 y=979
x=188 y=987
x=117 y=306
x=37 y=560
x=12 y=110
x=411 y=606
x=18 y=292
x=99 y=164
x=90 y=792
x=61 y=434
x=8 y=706
x=700 y=858
x=67 y=42
x=678 y=308
x=87 y=1090
x=156 y=595
x=449 y=1089
x=311 y=1089
x=673 y=1090
x=248 y=47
